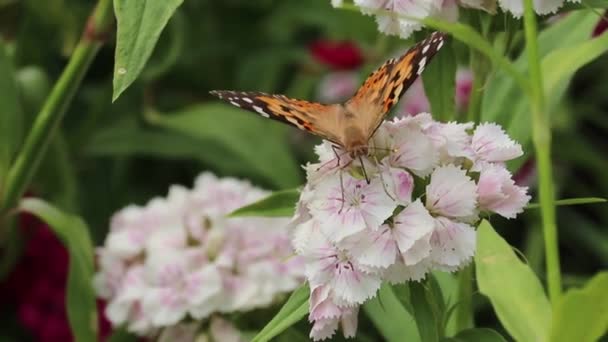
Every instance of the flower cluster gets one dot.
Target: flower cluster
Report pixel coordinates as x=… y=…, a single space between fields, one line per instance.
x=406 y=208
x=403 y=17
x=180 y=257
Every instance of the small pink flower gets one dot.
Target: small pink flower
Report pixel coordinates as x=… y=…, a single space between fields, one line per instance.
x=346 y=207
x=452 y=244
x=327 y=265
x=327 y=316
x=451 y=193
x=498 y=193
x=490 y=143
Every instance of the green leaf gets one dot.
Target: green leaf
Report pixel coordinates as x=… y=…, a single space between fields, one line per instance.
x=571 y=201
x=476 y=335
x=427 y=318
x=559 y=66
x=440 y=83
x=582 y=314
x=122 y=335
x=292 y=311
x=514 y=290
x=139 y=24
x=258 y=145
x=505 y=103
x=11 y=114
x=278 y=204
x=391 y=317
x=73 y=232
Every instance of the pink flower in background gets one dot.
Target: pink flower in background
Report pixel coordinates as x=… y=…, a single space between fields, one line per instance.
x=36 y=287
x=339 y=55
x=406 y=208
x=338 y=86
x=180 y=257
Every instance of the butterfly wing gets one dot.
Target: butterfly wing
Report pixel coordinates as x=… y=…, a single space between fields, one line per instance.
x=383 y=88
x=316 y=118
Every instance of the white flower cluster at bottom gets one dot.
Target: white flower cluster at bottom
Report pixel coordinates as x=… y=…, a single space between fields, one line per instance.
x=180 y=257
x=406 y=208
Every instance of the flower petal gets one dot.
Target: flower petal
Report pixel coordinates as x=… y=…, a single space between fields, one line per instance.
x=451 y=192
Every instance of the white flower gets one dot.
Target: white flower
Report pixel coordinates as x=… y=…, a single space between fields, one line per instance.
x=498 y=193
x=452 y=244
x=451 y=192
x=326 y=315
x=327 y=265
x=490 y=143
x=399 y=17
x=345 y=205
x=541 y=7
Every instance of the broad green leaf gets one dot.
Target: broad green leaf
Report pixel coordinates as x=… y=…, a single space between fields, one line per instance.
x=278 y=204
x=259 y=145
x=440 y=83
x=515 y=292
x=80 y=299
x=427 y=318
x=292 y=311
x=139 y=24
x=11 y=114
x=582 y=314
x=476 y=335
x=390 y=317
x=571 y=201
x=559 y=66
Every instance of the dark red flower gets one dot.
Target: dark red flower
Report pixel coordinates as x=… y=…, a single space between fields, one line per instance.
x=601 y=26
x=36 y=286
x=338 y=55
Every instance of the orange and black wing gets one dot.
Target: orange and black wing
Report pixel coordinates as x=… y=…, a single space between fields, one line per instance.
x=384 y=87
x=316 y=118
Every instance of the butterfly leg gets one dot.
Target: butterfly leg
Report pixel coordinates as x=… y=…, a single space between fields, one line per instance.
x=383 y=182
x=363 y=168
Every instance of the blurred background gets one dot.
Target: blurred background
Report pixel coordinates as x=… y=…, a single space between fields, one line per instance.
x=165 y=129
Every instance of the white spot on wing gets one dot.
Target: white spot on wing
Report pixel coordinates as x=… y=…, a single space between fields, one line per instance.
x=421 y=65
x=246 y=99
x=261 y=111
x=234 y=104
x=440 y=45
x=425 y=48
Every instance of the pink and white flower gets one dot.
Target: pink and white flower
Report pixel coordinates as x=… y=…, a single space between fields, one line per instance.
x=180 y=257
x=406 y=208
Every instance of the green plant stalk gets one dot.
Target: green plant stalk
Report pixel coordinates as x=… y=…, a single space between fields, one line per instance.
x=38 y=139
x=464 y=306
x=541 y=136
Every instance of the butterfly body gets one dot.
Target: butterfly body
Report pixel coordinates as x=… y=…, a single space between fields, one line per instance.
x=351 y=125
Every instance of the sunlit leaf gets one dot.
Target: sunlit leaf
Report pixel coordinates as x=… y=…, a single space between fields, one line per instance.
x=139 y=24
x=582 y=314
x=514 y=290
x=292 y=311
x=427 y=318
x=278 y=204
x=390 y=316
x=74 y=234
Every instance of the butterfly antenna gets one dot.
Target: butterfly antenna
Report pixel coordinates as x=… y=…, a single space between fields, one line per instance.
x=363 y=168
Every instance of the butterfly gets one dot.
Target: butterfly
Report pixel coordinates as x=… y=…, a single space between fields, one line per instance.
x=348 y=125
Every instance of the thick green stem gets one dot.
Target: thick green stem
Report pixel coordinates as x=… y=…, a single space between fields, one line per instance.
x=541 y=135
x=38 y=139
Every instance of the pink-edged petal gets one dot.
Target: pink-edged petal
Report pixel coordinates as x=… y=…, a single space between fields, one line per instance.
x=491 y=143
x=399 y=184
x=345 y=210
x=353 y=285
x=498 y=193
x=375 y=248
x=399 y=273
x=349 y=322
x=323 y=329
x=411 y=225
x=164 y=305
x=452 y=244
x=414 y=151
x=451 y=192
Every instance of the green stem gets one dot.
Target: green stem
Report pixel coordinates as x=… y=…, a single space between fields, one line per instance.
x=464 y=308
x=56 y=104
x=541 y=136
